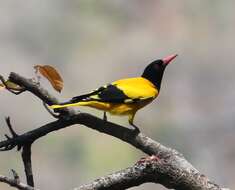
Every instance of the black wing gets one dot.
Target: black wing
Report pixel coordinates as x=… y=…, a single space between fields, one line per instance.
x=109 y=93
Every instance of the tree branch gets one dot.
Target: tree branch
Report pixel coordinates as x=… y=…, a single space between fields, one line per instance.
x=140 y=141
x=26 y=152
x=175 y=171
x=26 y=157
x=37 y=90
x=13 y=135
x=152 y=170
x=15 y=183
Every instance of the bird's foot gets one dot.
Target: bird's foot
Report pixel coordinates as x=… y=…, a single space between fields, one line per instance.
x=105 y=116
x=136 y=128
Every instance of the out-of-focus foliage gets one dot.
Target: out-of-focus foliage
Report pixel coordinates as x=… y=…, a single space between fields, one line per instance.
x=95 y=42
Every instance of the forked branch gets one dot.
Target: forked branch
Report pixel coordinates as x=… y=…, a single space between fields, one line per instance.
x=15 y=182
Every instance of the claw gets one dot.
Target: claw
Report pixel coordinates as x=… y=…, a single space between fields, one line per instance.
x=136 y=128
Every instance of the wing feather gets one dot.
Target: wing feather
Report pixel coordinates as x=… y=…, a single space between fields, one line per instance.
x=123 y=91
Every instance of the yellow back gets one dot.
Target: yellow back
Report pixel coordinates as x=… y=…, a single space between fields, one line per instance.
x=137 y=88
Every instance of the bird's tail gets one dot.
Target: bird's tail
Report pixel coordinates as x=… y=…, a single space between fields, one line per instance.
x=68 y=104
x=81 y=100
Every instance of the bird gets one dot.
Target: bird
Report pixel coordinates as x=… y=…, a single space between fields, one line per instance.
x=125 y=96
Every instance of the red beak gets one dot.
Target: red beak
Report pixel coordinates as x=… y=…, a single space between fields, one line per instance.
x=169 y=58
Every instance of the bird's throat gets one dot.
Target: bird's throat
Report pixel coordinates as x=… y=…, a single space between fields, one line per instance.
x=154 y=77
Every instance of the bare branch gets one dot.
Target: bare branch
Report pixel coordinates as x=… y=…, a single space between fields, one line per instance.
x=26 y=157
x=14 y=135
x=8 y=121
x=37 y=90
x=26 y=153
x=178 y=163
x=152 y=170
x=15 y=183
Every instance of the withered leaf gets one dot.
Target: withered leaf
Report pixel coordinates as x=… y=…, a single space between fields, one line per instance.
x=2 y=86
x=11 y=85
x=52 y=75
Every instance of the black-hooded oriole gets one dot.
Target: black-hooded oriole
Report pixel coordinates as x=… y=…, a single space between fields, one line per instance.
x=125 y=96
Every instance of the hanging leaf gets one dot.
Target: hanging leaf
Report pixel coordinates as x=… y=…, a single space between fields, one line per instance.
x=52 y=75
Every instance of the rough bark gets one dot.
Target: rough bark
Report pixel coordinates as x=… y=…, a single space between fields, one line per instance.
x=154 y=170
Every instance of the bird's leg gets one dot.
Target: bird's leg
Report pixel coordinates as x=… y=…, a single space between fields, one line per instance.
x=136 y=128
x=105 y=116
x=131 y=119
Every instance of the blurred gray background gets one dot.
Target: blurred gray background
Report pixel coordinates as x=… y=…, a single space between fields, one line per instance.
x=92 y=43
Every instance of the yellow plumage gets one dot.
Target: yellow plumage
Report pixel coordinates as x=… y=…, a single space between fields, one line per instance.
x=138 y=91
x=137 y=88
x=125 y=96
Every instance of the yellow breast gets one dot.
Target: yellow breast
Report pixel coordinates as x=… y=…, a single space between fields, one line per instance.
x=116 y=108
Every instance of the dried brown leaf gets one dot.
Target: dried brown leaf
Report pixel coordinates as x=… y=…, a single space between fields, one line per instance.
x=52 y=75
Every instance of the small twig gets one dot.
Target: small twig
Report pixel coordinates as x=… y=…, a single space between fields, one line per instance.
x=26 y=157
x=8 y=121
x=51 y=112
x=10 y=146
x=15 y=183
x=11 y=139
x=26 y=153
x=16 y=176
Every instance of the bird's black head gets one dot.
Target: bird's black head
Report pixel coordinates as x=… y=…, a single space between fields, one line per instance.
x=154 y=71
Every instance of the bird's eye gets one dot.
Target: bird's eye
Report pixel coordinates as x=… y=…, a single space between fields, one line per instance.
x=159 y=63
